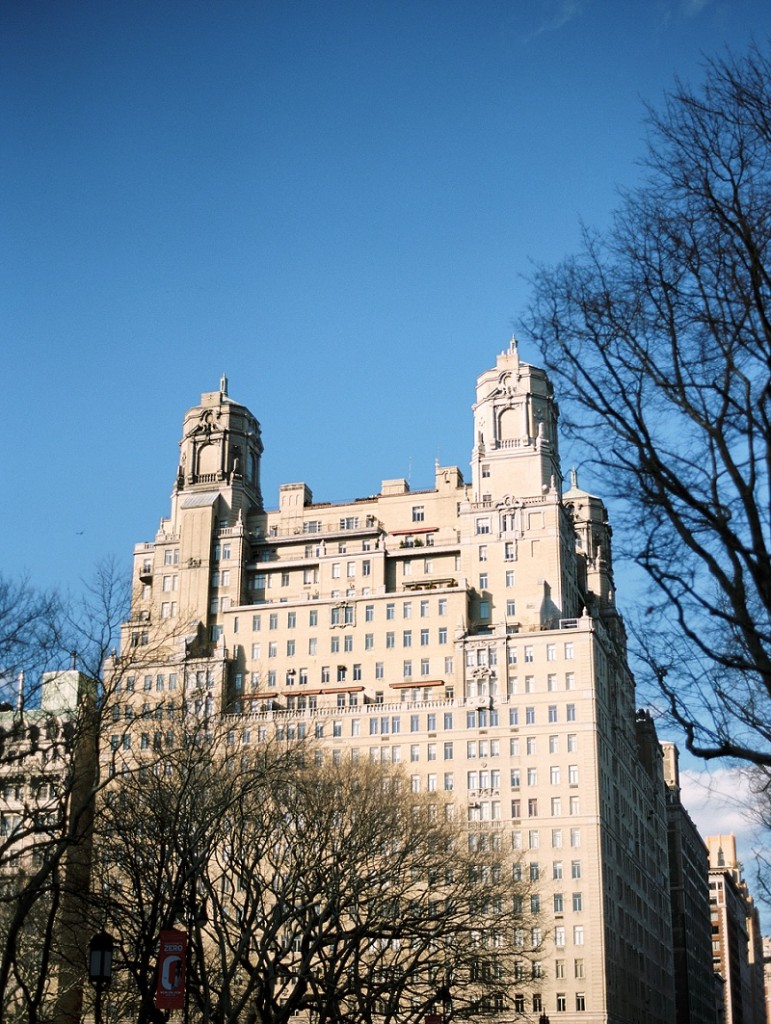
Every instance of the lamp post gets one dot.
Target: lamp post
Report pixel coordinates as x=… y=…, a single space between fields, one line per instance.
x=100 y=953
x=544 y=1018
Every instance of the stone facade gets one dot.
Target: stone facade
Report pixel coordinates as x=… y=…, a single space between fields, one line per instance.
x=467 y=632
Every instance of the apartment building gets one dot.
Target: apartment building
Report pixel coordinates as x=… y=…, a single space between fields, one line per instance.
x=737 y=945
x=48 y=763
x=691 y=913
x=467 y=632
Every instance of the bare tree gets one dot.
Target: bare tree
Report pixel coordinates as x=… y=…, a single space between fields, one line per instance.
x=658 y=335
x=50 y=775
x=305 y=886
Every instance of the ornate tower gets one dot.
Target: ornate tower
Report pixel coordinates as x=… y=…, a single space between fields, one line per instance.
x=515 y=431
x=220 y=450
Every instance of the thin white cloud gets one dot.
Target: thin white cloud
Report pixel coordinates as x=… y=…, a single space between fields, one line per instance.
x=554 y=14
x=719 y=801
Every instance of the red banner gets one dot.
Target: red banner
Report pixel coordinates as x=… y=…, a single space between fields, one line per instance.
x=170 y=993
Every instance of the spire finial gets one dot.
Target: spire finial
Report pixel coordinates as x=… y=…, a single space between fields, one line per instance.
x=224 y=384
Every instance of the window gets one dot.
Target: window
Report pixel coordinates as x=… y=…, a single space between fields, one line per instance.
x=556 y=833
x=559 y=936
x=577 y=901
x=570 y=712
x=511 y=607
x=561 y=1002
x=424 y=667
x=390 y=640
x=448 y=750
x=569 y=651
x=407 y=669
x=284 y=579
x=575 y=869
x=379 y=670
x=552 y=713
x=530 y=716
x=531 y=745
x=570 y=680
x=572 y=743
x=574 y=806
x=578 y=968
x=407 y=638
x=369 y=613
x=390 y=610
x=313 y=645
x=483 y=581
x=575 y=837
x=482 y=552
x=554 y=775
x=578 y=935
x=442 y=607
x=369 y=641
x=483 y=524
x=559 y=903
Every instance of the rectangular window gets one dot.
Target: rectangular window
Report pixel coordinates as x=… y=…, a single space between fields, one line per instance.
x=570 y=712
x=369 y=613
x=407 y=638
x=442 y=606
x=418 y=513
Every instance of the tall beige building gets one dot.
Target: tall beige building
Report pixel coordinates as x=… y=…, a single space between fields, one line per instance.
x=468 y=632
x=737 y=945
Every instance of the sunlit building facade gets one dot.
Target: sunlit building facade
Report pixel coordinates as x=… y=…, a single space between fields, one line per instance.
x=467 y=632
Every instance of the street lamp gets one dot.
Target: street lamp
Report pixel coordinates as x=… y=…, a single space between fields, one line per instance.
x=100 y=968
x=544 y=1018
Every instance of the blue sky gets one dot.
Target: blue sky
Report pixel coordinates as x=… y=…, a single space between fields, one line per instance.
x=334 y=203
